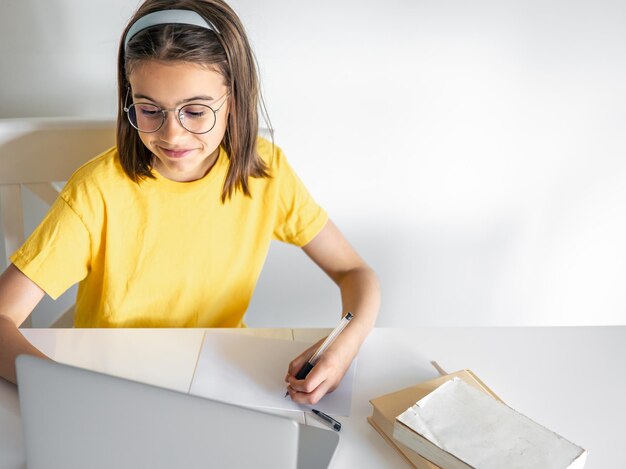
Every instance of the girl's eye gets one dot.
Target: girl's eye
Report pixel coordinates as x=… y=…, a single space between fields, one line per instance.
x=195 y=112
x=148 y=111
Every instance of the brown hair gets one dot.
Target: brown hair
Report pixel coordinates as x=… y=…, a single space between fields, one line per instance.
x=229 y=53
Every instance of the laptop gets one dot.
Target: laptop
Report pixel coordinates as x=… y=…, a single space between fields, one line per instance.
x=76 y=418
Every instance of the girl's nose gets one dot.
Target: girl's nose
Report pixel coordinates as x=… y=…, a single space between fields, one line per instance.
x=171 y=129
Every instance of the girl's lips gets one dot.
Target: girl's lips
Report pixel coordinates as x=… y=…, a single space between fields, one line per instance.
x=176 y=153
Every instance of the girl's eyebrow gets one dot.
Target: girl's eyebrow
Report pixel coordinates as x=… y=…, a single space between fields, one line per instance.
x=195 y=98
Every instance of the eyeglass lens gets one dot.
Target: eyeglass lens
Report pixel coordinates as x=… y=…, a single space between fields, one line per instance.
x=196 y=118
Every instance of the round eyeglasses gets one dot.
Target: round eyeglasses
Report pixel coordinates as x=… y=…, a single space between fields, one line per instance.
x=195 y=118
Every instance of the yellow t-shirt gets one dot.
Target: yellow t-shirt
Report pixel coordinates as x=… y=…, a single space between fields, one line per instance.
x=161 y=253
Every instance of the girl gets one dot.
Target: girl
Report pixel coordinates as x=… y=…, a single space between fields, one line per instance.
x=170 y=228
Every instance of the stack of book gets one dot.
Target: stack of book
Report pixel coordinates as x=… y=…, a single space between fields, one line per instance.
x=456 y=422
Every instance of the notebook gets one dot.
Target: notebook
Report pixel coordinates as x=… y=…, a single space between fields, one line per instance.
x=75 y=418
x=249 y=371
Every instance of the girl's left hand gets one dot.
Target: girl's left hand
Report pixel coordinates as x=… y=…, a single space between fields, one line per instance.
x=325 y=375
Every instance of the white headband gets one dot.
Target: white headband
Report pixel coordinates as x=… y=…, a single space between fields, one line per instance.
x=168 y=17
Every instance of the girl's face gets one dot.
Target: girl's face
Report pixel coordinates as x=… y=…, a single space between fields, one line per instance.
x=180 y=155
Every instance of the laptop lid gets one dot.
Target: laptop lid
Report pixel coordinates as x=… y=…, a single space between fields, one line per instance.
x=76 y=418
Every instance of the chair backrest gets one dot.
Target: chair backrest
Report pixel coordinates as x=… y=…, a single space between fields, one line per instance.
x=35 y=153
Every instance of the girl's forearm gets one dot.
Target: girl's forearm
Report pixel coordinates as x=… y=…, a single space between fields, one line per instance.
x=12 y=344
x=360 y=294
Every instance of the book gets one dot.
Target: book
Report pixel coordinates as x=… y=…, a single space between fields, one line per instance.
x=387 y=407
x=458 y=427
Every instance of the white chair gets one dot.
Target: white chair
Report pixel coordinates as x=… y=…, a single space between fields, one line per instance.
x=35 y=154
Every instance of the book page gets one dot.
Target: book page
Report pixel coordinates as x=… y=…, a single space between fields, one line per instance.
x=250 y=371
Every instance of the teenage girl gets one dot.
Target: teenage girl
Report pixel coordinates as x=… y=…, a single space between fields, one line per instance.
x=170 y=228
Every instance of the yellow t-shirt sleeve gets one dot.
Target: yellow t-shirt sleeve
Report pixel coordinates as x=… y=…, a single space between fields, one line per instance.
x=56 y=255
x=299 y=218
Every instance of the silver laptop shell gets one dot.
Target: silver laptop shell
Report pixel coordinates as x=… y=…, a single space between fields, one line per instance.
x=76 y=418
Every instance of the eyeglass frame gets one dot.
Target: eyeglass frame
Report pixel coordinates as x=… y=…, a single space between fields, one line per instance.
x=178 y=114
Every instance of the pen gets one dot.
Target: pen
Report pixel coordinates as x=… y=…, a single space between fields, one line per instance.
x=308 y=366
x=328 y=419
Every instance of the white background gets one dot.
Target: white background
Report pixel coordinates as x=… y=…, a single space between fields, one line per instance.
x=472 y=151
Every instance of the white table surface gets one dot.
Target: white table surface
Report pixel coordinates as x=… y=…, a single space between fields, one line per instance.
x=570 y=379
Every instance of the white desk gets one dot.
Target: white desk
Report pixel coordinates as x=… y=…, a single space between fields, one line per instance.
x=569 y=379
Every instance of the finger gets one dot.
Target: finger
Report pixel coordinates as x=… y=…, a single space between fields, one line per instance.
x=318 y=375
x=310 y=398
x=297 y=363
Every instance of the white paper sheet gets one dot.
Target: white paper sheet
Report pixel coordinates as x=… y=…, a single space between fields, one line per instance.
x=250 y=371
x=487 y=434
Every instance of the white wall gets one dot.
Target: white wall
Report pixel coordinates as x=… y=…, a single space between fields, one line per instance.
x=472 y=151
